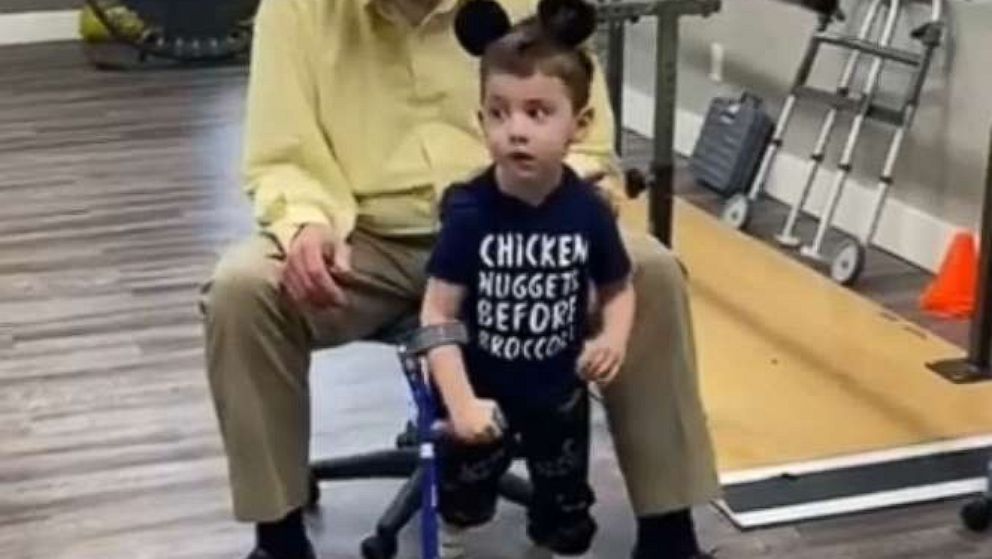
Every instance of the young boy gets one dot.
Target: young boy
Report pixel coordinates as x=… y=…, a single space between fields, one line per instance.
x=522 y=248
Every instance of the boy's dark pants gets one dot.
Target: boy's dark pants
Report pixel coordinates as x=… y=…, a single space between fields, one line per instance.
x=554 y=441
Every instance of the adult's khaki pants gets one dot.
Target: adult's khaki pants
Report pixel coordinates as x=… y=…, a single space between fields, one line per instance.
x=258 y=357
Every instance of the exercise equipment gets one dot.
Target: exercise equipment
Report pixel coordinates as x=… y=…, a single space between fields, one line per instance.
x=977 y=365
x=613 y=16
x=977 y=514
x=847 y=263
x=187 y=31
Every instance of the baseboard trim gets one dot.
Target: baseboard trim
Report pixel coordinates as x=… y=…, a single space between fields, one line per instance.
x=39 y=27
x=904 y=230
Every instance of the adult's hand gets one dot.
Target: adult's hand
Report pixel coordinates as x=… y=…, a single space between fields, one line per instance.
x=316 y=263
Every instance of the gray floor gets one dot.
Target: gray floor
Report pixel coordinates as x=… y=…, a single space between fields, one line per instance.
x=119 y=191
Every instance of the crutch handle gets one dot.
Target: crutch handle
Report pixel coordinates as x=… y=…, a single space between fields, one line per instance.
x=427 y=338
x=442 y=430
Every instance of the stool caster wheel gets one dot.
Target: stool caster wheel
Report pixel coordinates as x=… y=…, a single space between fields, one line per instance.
x=408 y=438
x=313 y=500
x=977 y=515
x=379 y=547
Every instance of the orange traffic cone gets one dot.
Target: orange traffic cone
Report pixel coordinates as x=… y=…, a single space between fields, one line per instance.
x=952 y=292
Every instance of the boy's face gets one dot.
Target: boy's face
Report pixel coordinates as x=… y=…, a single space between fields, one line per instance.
x=529 y=124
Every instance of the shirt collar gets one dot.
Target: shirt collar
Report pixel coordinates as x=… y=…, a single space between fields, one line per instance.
x=569 y=180
x=387 y=10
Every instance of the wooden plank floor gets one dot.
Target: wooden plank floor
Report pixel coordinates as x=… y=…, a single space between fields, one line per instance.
x=119 y=191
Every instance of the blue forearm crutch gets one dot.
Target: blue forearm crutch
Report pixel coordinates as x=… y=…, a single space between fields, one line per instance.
x=412 y=353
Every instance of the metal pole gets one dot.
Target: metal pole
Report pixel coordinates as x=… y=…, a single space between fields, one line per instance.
x=616 y=39
x=975 y=367
x=981 y=328
x=667 y=14
x=663 y=165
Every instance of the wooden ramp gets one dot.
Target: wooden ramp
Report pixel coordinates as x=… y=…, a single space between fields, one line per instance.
x=819 y=400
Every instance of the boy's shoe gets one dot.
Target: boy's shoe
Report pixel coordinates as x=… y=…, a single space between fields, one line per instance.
x=538 y=552
x=700 y=555
x=452 y=541
x=259 y=553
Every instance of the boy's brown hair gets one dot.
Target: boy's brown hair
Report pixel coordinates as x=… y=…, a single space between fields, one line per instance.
x=527 y=48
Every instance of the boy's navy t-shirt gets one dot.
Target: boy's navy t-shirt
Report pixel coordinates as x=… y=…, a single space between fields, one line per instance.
x=528 y=271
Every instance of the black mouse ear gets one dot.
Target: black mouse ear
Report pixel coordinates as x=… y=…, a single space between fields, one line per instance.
x=570 y=22
x=479 y=23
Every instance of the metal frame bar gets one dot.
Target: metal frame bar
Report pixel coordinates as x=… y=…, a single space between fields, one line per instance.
x=930 y=37
x=787 y=235
x=667 y=14
x=814 y=249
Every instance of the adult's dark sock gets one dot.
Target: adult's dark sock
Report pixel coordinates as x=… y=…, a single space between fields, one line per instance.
x=670 y=535
x=285 y=538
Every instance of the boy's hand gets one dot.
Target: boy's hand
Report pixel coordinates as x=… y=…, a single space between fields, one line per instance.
x=476 y=422
x=601 y=360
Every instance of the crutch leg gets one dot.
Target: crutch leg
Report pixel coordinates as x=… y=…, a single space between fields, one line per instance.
x=412 y=355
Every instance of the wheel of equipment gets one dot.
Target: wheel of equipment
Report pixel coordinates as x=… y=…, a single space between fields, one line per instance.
x=635 y=183
x=379 y=547
x=737 y=212
x=180 y=30
x=848 y=263
x=977 y=515
x=408 y=438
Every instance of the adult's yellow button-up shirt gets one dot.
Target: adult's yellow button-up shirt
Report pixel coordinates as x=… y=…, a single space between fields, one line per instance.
x=358 y=119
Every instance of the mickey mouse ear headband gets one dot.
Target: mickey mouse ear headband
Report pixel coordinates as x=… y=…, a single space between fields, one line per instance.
x=479 y=23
